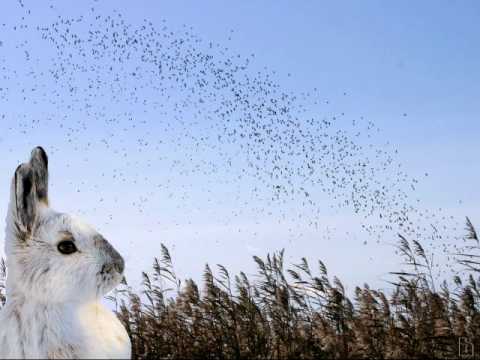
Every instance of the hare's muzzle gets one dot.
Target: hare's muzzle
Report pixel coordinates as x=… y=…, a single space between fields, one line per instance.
x=114 y=261
x=119 y=264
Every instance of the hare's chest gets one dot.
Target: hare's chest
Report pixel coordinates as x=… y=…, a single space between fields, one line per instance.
x=90 y=331
x=34 y=332
x=104 y=335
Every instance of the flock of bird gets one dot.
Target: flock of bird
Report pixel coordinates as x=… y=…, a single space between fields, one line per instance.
x=182 y=117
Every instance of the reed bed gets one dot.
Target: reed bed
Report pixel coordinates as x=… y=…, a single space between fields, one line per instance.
x=301 y=312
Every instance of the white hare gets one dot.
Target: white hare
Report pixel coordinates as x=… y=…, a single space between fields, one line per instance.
x=58 y=270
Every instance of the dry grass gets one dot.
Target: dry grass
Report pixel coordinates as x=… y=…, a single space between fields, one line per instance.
x=301 y=312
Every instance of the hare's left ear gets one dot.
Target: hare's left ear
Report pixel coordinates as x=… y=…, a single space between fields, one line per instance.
x=31 y=188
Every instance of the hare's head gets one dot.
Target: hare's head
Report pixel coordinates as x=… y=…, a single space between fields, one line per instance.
x=52 y=256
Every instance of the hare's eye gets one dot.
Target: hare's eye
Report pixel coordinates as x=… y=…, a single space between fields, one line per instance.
x=67 y=247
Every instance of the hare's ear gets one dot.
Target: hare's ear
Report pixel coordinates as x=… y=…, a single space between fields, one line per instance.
x=31 y=188
x=39 y=165
x=25 y=197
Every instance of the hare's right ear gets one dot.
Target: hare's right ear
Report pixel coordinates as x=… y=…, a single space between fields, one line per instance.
x=39 y=164
x=31 y=188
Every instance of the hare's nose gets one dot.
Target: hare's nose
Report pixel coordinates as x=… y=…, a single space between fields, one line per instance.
x=115 y=259
x=119 y=264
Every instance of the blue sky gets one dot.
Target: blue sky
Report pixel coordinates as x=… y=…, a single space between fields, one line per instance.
x=411 y=68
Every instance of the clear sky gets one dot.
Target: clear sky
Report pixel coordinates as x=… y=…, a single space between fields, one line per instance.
x=409 y=67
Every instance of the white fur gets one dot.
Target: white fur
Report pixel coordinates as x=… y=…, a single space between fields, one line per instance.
x=53 y=307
